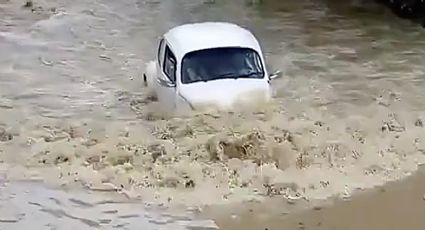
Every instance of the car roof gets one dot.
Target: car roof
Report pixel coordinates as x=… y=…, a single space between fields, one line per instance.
x=187 y=38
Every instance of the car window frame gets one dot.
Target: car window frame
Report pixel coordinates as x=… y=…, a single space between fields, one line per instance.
x=167 y=52
x=160 y=52
x=258 y=59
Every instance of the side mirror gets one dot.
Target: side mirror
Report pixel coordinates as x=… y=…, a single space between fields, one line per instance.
x=275 y=75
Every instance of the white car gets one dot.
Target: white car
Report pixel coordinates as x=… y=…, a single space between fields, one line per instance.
x=209 y=65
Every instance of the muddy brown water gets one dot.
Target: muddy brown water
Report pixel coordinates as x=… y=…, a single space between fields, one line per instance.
x=74 y=113
x=398 y=205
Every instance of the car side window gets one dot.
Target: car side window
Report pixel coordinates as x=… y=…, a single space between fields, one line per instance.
x=170 y=64
x=161 y=52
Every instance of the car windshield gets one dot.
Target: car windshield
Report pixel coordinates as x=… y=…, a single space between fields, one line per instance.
x=221 y=63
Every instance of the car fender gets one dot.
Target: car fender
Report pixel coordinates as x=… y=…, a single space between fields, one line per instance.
x=182 y=104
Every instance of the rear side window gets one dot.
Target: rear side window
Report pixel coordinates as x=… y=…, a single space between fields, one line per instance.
x=170 y=64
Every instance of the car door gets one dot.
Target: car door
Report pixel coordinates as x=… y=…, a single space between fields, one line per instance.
x=166 y=79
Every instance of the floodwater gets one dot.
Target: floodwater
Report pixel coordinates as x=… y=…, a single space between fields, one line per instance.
x=74 y=113
x=32 y=206
x=397 y=205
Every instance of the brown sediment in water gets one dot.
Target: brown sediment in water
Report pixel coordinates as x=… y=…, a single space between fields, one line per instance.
x=222 y=157
x=397 y=205
x=73 y=112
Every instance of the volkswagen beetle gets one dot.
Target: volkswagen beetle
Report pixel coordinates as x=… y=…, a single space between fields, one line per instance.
x=209 y=64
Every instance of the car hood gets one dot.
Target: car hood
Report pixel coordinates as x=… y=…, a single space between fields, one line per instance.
x=224 y=93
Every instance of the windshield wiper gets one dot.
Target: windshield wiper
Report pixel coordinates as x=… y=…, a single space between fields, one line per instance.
x=250 y=74
x=225 y=75
x=234 y=76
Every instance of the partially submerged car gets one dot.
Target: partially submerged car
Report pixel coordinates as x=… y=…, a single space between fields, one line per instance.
x=209 y=64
